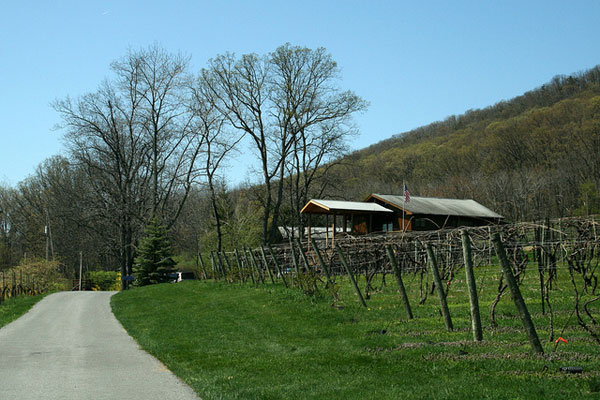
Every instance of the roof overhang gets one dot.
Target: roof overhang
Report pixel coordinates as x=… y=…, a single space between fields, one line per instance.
x=316 y=206
x=376 y=197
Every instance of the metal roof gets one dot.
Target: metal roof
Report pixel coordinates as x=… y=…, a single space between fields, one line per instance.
x=317 y=206
x=435 y=206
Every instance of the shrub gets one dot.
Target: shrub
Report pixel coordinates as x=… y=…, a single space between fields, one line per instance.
x=104 y=280
x=46 y=274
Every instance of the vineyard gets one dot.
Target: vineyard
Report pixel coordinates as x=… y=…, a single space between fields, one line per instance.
x=30 y=278
x=556 y=259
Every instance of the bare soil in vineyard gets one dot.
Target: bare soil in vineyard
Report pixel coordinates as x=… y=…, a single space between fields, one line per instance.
x=235 y=341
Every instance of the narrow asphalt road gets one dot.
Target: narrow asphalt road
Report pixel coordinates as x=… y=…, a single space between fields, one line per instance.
x=70 y=346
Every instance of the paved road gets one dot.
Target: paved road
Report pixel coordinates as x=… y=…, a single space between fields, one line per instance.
x=70 y=346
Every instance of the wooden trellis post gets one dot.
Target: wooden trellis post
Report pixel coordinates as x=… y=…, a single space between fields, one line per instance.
x=255 y=265
x=202 y=266
x=279 y=271
x=516 y=295
x=249 y=266
x=264 y=258
x=303 y=255
x=239 y=265
x=475 y=317
x=295 y=260
x=345 y=264
x=321 y=261
x=398 y=274
x=439 y=287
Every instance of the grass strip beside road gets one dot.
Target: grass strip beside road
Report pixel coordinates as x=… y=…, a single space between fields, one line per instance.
x=242 y=342
x=13 y=308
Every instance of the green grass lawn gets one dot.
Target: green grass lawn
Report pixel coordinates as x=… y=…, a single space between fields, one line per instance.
x=13 y=308
x=268 y=342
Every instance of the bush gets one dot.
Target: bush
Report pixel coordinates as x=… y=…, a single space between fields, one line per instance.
x=104 y=280
x=45 y=273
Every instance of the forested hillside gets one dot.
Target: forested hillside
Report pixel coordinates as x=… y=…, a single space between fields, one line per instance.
x=535 y=156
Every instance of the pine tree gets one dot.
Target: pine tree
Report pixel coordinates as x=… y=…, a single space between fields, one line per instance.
x=154 y=262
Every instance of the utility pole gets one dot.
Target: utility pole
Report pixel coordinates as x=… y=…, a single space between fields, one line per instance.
x=47 y=238
x=80 y=268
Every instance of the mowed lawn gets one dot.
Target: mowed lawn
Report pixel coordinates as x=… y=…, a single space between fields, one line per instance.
x=245 y=342
x=13 y=308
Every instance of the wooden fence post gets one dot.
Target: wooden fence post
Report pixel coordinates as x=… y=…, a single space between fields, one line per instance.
x=398 y=274
x=264 y=257
x=303 y=255
x=279 y=271
x=202 y=266
x=295 y=262
x=321 y=261
x=221 y=264
x=214 y=266
x=439 y=287
x=249 y=267
x=228 y=264
x=239 y=265
x=475 y=317
x=14 y=284
x=516 y=295
x=345 y=264
x=255 y=264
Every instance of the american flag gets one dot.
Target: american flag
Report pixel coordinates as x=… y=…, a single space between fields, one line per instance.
x=406 y=194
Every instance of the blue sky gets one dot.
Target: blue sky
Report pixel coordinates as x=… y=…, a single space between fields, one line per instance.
x=415 y=62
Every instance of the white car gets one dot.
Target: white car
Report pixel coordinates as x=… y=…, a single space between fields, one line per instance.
x=181 y=276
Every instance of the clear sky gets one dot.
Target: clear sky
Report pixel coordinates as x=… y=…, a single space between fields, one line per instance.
x=415 y=61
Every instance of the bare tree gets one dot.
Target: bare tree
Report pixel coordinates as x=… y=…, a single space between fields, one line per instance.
x=211 y=127
x=277 y=100
x=134 y=139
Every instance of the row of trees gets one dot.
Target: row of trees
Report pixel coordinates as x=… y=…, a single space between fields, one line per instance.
x=152 y=141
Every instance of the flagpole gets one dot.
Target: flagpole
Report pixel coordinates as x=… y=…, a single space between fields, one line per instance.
x=403 y=206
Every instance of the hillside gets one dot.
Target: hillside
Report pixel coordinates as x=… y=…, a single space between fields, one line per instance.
x=535 y=156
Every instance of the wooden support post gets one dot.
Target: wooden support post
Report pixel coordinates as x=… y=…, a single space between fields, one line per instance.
x=303 y=255
x=439 y=287
x=326 y=230
x=345 y=219
x=468 y=257
x=240 y=266
x=321 y=261
x=489 y=245
x=227 y=263
x=205 y=277
x=309 y=230
x=249 y=266
x=264 y=258
x=213 y=264
x=295 y=259
x=80 y=268
x=350 y=275
x=333 y=231
x=221 y=264
x=398 y=274
x=255 y=264
x=516 y=295
x=279 y=271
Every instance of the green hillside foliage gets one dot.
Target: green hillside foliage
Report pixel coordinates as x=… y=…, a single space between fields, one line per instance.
x=534 y=156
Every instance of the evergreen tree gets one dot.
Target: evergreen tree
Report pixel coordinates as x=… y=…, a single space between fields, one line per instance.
x=154 y=262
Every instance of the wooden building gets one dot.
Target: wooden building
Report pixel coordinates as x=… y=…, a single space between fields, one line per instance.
x=389 y=213
x=430 y=213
